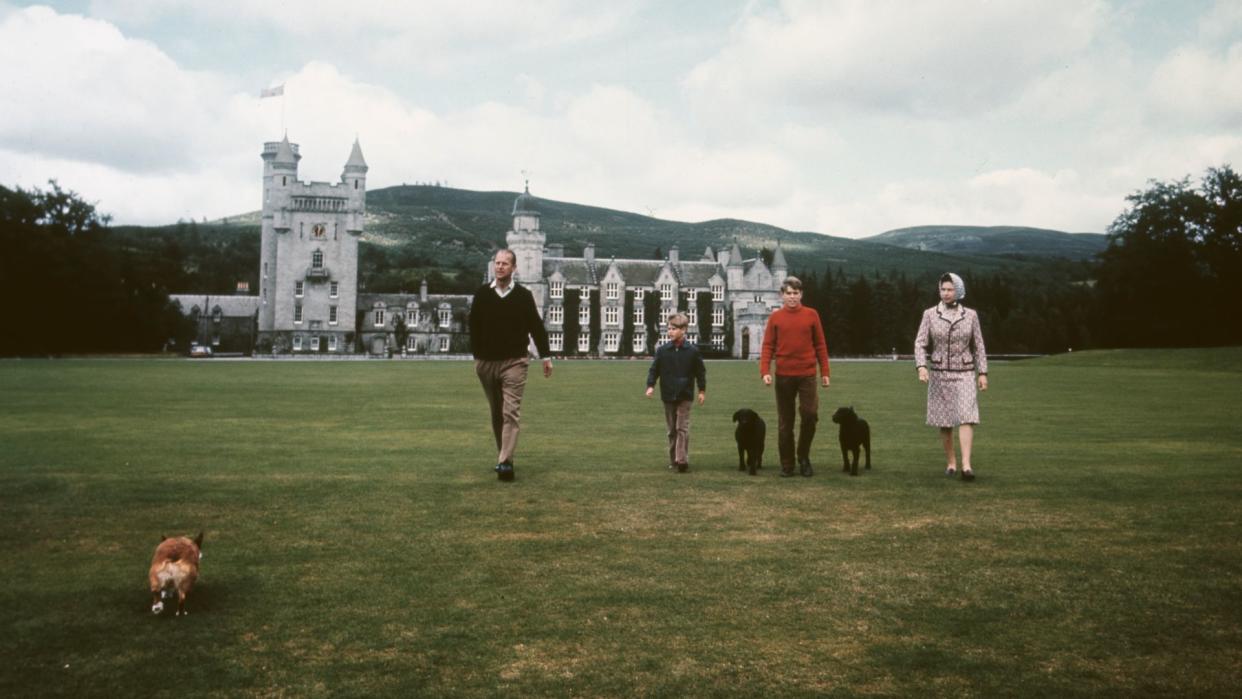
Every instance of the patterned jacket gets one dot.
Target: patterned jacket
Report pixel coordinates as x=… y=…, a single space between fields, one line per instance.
x=956 y=341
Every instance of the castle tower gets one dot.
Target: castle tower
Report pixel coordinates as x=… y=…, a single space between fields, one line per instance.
x=308 y=281
x=527 y=241
x=780 y=268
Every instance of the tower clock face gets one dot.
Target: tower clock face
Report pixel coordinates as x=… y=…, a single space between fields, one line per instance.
x=319 y=230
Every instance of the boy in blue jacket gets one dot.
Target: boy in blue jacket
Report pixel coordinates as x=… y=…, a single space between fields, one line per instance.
x=677 y=366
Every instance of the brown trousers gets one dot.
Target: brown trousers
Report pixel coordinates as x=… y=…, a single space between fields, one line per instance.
x=503 y=382
x=677 y=417
x=791 y=389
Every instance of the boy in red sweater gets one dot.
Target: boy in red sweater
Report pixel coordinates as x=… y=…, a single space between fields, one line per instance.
x=795 y=338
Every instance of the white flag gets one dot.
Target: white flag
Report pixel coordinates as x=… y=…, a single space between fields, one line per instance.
x=272 y=91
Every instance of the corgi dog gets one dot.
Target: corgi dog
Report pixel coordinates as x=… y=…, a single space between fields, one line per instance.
x=174 y=568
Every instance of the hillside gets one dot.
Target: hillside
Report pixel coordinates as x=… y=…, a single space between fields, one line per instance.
x=446 y=235
x=1007 y=241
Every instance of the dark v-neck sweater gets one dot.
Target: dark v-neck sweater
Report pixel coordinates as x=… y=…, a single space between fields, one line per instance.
x=501 y=328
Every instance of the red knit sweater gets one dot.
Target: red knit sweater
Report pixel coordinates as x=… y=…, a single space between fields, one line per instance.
x=796 y=340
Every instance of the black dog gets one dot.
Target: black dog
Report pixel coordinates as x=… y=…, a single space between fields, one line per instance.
x=750 y=433
x=854 y=432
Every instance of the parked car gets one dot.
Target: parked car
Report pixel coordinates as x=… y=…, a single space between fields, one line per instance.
x=200 y=351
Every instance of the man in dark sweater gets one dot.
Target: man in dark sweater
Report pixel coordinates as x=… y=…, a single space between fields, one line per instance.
x=794 y=337
x=503 y=321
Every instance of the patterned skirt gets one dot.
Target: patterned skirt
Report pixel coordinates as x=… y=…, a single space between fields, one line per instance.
x=952 y=399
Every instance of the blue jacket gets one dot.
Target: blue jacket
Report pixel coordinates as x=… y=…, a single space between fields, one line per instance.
x=677 y=369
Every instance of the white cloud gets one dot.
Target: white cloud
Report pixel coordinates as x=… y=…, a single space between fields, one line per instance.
x=939 y=59
x=1200 y=85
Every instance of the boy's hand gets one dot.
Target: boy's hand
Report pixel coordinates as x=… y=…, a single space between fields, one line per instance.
x=767 y=379
x=702 y=397
x=826 y=382
x=650 y=391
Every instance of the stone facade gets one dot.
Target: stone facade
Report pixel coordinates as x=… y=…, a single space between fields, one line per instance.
x=612 y=295
x=308 y=277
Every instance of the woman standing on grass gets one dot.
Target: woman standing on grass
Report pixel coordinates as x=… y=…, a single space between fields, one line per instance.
x=958 y=361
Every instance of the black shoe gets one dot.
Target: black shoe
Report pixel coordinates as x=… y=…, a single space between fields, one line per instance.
x=787 y=472
x=504 y=471
x=806 y=467
x=683 y=467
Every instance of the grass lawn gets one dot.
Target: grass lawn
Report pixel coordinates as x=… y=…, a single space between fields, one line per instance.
x=358 y=543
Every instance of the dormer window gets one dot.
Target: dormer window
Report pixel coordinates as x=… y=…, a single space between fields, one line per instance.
x=556 y=290
x=613 y=289
x=584 y=293
x=666 y=292
x=718 y=292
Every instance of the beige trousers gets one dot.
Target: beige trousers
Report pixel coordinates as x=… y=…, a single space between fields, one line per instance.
x=677 y=417
x=503 y=382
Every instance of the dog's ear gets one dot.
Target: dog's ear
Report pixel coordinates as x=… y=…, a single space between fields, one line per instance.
x=737 y=415
x=163 y=537
x=198 y=540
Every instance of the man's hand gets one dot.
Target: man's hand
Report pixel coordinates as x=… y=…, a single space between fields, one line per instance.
x=702 y=397
x=767 y=379
x=826 y=382
x=650 y=391
x=547 y=368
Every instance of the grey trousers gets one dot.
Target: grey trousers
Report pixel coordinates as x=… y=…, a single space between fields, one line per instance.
x=503 y=382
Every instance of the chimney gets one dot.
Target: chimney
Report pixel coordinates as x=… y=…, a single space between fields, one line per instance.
x=555 y=250
x=588 y=252
x=422 y=291
x=674 y=254
x=243 y=289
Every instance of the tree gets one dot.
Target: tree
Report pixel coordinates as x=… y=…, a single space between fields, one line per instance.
x=1169 y=276
x=400 y=331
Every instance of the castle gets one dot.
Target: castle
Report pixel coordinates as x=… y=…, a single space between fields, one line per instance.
x=308 y=300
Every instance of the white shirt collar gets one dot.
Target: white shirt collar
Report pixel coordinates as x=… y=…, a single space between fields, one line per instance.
x=502 y=292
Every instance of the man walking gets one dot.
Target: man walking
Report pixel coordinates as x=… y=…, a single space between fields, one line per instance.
x=794 y=337
x=503 y=320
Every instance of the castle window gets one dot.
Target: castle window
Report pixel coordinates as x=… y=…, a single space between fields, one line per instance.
x=379 y=318
x=299 y=289
x=666 y=292
x=584 y=342
x=317 y=259
x=332 y=314
x=612 y=341
x=284 y=180
x=718 y=316
x=639 y=294
x=556 y=341
x=640 y=342
x=444 y=344
x=215 y=340
x=584 y=315
x=556 y=290
x=332 y=343
x=613 y=289
x=446 y=317
x=693 y=315
x=718 y=292
x=718 y=340
x=584 y=293
x=334 y=289
x=556 y=315
x=297 y=313
x=411 y=343
x=611 y=314
x=297 y=343
x=639 y=315
x=314 y=343
x=216 y=315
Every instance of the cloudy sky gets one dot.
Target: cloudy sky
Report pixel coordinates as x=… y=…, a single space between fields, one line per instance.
x=845 y=117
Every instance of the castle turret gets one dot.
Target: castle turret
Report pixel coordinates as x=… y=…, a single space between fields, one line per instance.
x=733 y=269
x=780 y=268
x=526 y=240
x=354 y=177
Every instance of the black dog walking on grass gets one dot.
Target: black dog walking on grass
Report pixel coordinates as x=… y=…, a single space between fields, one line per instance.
x=855 y=432
x=750 y=434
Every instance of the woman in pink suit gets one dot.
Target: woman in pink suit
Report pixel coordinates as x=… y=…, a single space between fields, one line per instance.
x=957 y=362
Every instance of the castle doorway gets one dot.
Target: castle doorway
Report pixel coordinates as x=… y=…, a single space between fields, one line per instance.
x=745 y=343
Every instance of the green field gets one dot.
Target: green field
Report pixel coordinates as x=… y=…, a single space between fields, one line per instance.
x=358 y=543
